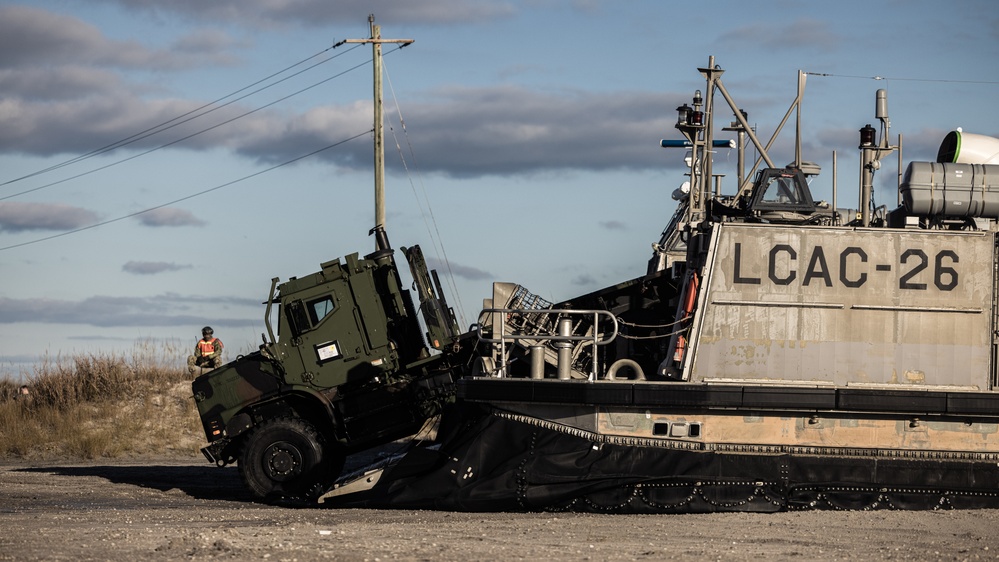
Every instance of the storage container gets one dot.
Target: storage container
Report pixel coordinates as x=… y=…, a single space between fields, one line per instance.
x=952 y=190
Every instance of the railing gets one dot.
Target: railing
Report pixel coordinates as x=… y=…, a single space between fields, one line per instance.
x=563 y=339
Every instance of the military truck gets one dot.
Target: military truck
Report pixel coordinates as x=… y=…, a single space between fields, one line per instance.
x=349 y=369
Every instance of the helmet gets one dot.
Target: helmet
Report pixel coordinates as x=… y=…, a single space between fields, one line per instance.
x=207 y=331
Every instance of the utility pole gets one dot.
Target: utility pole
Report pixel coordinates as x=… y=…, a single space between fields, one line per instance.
x=376 y=42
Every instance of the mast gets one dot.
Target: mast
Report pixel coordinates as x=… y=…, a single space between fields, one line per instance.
x=376 y=41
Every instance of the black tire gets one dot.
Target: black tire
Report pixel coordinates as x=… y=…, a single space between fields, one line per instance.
x=286 y=458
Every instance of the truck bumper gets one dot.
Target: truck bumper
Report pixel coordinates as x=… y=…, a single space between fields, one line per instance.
x=213 y=452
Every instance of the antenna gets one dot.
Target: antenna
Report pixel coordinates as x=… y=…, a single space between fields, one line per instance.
x=872 y=152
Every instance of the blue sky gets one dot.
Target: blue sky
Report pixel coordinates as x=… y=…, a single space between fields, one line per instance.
x=528 y=142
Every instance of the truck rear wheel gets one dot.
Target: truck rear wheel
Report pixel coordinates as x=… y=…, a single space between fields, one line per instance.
x=288 y=458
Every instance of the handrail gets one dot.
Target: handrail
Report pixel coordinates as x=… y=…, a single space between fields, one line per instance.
x=565 y=338
x=267 y=313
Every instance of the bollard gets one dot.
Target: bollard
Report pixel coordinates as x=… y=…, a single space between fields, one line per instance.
x=537 y=361
x=564 y=349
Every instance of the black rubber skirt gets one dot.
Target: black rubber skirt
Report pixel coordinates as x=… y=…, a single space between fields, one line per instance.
x=487 y=462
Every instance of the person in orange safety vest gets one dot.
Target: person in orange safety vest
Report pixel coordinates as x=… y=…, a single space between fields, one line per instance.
x=207 y=352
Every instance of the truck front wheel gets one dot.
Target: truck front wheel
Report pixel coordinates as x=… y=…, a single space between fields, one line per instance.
x=287 y=458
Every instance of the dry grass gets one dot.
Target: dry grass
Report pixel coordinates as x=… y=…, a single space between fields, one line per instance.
x=97 y=405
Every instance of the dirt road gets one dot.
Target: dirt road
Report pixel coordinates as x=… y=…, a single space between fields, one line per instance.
x=188 y=509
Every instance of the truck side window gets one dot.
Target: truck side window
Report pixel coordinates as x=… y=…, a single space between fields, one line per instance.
x=320 y=308
x=298 y=321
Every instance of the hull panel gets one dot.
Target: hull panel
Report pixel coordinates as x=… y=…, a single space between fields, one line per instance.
x=845 y=306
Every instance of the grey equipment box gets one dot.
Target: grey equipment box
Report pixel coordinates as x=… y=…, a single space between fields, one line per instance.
x=951 y=190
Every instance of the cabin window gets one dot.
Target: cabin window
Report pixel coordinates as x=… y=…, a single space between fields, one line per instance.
x=782 y=190
x=320 y=308
x=779 y=189
x=298 y=320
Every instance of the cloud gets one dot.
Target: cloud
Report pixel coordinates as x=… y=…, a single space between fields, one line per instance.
x=614 y=225
x=103 y=311
x=268 y=13
x=62 y=98
x=508 y=130
x=151 y=267
x=23 y=361
x=17 y=217
x=803 y=33
x=211 y=42
x=463 y=132
x=500 y=130
x=29 y=36
x=83 y=124
x=169 y=216
x=921 y=145
x=91 y=337
x=50 y=84
x=458 y=270
x=62 y=91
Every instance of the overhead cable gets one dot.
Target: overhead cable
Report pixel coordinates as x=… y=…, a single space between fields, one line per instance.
x=944 y=80
x=435 y=236
x=182 y=139
x=190 y=115
x=191 y=196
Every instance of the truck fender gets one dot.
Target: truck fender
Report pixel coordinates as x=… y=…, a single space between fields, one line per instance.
x=238 y=424
x=301 y=402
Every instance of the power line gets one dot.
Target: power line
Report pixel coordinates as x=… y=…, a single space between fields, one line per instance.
x=437 y=240
x=185 y=198
x=943 y=80
x=180 y=119
x=182 y=139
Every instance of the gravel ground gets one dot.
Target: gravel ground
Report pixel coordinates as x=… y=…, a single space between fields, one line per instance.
x=188 y=509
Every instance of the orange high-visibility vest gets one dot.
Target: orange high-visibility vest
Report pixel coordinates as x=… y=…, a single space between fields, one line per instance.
x=207 y=347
